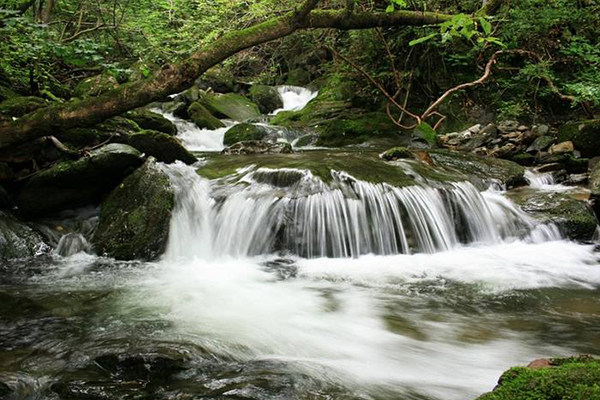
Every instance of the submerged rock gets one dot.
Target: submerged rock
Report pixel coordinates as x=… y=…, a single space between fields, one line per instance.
x=203 y=118
x=135 y=217
x=573 y=216
x=72 y=184
x=558 y=378
x=17 y=239
x=150 y=120
x=258 y=147
x=266 y=97
x=163 y=147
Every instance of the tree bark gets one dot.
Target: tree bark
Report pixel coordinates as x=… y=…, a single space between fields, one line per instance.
x=176 y=78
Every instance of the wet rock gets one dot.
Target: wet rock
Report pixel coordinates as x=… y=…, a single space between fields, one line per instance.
x=505 y=151
x=549 y=167
x=398 y=153
x=72 y=184
x=585 y=135
x=564 y=147
x=508 y=126
x=266 y=97
x=5 y=199
x=177 y=108
x=135 y=217
x=203 y=118
x=153 y=368
x=571 y=215
x=230 y=105
x=147 y=119
x=17 y=239
x=19 y=106
x=5 y=390
x=306 y=140
x=245 y=132
x=577 y=179
x=258 y=147
x=115 y=130
x=557 y=378
x=95 y=85
x=163 y=147
x=524 y=159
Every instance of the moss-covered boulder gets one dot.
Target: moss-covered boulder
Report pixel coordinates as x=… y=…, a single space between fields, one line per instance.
x=203 y=118
x=116 y=129
x=266 y=97
x=244 y=132
x=95 y=85
x=163 y=147
x=585 y=135
x=230 y=105
x=17 y=239
x=575 y=378
x=72 y=184
x=135 y=217
x=147 y=119
x=573 y=216
x=397 y=153
x=218 y=80
x=19 y=106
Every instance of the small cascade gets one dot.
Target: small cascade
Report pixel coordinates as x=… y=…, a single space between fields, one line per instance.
x=294 y=98
x=72 y=243
x=264 y=210
x=544 y=181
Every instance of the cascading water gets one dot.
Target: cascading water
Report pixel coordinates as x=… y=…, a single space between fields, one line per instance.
x=294 y=98
x=290 y=210
x=545 y=181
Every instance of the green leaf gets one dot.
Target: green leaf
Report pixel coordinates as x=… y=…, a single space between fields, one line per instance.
x=485 y=24
x=390 y=9
x=422 y=39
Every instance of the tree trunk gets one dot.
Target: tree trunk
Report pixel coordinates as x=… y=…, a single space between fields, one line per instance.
x=176 y=78
x=47 y=12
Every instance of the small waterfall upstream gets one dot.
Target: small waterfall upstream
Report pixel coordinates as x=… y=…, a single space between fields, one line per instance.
x=294 y=97
x=291 y=211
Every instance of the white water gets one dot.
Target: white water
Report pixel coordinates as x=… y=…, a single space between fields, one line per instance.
x=545 y=181
x=294 y=98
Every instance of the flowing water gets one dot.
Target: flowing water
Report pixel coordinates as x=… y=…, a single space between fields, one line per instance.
x=277 y=285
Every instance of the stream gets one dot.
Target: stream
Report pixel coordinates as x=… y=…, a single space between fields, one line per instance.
x=280 y=285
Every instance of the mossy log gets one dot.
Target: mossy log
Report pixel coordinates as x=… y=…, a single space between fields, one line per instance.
x=176 y=78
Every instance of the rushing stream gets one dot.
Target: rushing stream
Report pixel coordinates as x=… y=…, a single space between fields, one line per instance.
x=279 y=285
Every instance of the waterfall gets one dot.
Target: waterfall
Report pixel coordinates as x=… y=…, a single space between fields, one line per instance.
x=263 y=210
x=294 y=98
x=545 y=181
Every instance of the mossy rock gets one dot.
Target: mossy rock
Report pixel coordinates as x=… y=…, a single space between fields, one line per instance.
x=230 y=105
x=116 y=130
x=72 y=184
x=575 y=378
x=487 y=169
x=258 y=147
x=203 y=118
x=6 y=93
x=244 y=132
x=136 y=215
x=163 y=147
x=397 y=153
x=218 y=80
x=585 y=135
x=306 y=140
x=147 y=119
x=266 y=97
x=17 y=239
x=573 y=216
x=19 y=106
x=95 y=85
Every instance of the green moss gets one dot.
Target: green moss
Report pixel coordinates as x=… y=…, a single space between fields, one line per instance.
x=397 y=153
x=585 y=135
x=230 y=105
x=576 y=378
x=95 y=85
x=150 y=120
x=19 y=106
x=298 y=77
x=266 y=97
x=244 y=132
x=203 y=118
x=135 y=217
x=163 y=147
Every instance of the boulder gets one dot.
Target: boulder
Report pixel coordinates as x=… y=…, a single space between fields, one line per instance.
x=573 y=216
x=203 y=118
x=564 y=147
x=19 y=106
x=116 y=129
x=244 y=132
x=72 y=184
x=557 y=378
x=135 y=217
x=266 y=97
x=258 y=147
x=397 y=153
x=17 y=239
x=95 y=85
x=218 y=80
x=508 y=126
x=541 y=144
x=163 y=147
x=585 y=135
x=230 y=105
x=147 y=119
